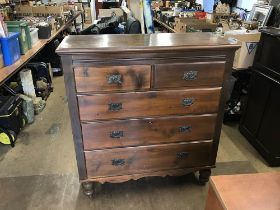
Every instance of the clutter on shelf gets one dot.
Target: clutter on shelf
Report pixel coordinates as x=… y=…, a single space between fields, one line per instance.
x=32 y=22
x=182 y=16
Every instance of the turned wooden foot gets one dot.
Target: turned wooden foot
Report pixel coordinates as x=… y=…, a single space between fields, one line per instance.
x=204 y=176
x=88 y=188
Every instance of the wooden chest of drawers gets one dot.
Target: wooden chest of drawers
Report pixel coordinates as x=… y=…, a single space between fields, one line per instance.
x=145 y=105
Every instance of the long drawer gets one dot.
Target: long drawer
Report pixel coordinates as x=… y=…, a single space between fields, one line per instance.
x=135 y=132
x=131 y=160
x=112 y=78
x=145 y=104
x=189 y=74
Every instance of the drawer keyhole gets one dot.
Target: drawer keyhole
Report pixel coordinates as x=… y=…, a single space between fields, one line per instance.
x=85 y=72
x=115 y=106
x=190 y=75
x=185 y=129
x=181 y=155
x=118 y=162
x=187 y=101
x=116 y=134
x=114 y=79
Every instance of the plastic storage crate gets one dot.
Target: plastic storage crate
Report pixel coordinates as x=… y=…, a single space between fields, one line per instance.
x=34 y=36
x=23 y=29
x=10 y=48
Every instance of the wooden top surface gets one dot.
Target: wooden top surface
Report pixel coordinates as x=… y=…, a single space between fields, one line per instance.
x=8 y=71
x=142 y=42
x=248 y=191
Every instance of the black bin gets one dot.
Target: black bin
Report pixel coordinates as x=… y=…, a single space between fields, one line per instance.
x=11 y=113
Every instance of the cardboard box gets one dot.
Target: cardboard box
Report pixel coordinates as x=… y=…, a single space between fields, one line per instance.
x=24 y=10
x=108 y=12
x=244 y=56
x=88 y=18
x=217 y=17
x=68 y=7
x=189 y=21
x=4 y=1
x=182 y=24
x=48 y=10
x=180 y=27
x=79 y=6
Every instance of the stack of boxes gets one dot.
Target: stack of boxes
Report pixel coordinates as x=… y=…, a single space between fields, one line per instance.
x=185 y=24
x=88 y=15
x=44 y=11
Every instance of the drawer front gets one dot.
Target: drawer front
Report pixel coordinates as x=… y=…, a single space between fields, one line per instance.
x=155 y=103
x=122 y=133
x=113 y=78
x=189 y=74
x=132 y=160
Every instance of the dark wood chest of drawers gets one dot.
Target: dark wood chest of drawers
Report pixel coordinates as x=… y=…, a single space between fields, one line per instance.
x=145 y=105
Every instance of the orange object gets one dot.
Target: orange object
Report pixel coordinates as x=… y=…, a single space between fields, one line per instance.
x=244 y=192
x=200 y=15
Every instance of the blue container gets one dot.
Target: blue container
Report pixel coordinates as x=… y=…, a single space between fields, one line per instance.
x=10 y=48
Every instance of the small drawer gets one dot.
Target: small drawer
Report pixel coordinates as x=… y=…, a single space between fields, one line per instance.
x=188 y=74
x=132 y=160
x=136 y=132
x=112 y=78
x=145 y=104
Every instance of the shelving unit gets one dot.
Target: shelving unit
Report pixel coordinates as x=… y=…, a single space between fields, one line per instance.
x=9 y=71
x=167 y=27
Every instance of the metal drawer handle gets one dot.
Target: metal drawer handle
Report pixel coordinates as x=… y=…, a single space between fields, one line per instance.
x=182 y=154
x=187 y=101
x=115 y=106
x=116 y=134
x=114 y=79
x=118 y=162
x=185 y=129
x=190 y=75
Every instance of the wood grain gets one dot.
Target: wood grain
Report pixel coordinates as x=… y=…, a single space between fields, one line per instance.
x=89 y=79
x=178 y=74
x=117 y=43
x=147 y=158
x=143 y=148
x=154 y=103
x=136 y=176
x=135 y=132
x=74 y=115
x=222 y=104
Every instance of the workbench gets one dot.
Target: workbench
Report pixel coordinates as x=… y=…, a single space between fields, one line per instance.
x=8 y=71
x=167 y=27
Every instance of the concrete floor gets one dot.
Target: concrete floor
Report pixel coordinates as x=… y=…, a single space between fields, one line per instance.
x=41 y=173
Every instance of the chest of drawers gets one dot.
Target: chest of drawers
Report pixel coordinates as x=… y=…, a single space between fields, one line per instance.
x=145 y=105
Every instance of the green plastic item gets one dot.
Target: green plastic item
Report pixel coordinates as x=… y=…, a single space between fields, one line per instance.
x=27 y=30
x=24 y=38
